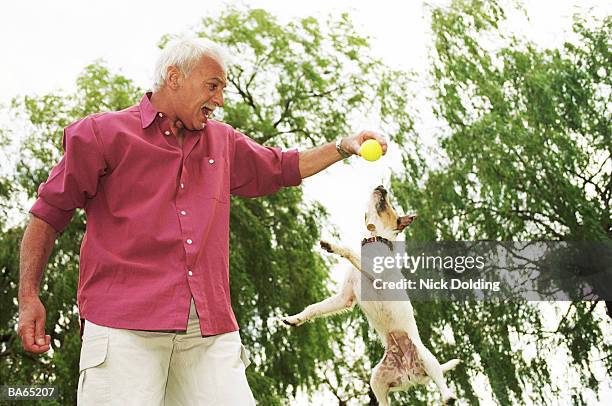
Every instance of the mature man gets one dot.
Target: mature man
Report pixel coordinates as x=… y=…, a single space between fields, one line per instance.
x=155 y=181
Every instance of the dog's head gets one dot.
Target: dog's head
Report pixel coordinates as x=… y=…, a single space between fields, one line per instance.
x=381 y=219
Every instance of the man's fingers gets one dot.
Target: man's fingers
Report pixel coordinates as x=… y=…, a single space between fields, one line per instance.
x=27 y=336
x=40 y=331
x=354 y=146
x=372 y=135
x=38 y=349
x=381 y=140
x=375 y=136
x=31 y=330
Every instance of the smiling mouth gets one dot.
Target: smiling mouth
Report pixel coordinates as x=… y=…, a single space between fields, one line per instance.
x=206 y=111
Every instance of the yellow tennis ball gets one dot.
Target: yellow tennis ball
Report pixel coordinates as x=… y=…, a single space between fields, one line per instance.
x=370 y=150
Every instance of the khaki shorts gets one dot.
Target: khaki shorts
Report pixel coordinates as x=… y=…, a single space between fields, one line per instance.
x=132 y=367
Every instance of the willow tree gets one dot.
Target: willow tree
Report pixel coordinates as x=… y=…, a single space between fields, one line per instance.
x=294 y=84
x=525 y=155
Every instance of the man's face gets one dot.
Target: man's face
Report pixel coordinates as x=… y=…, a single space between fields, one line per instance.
x=199 y=93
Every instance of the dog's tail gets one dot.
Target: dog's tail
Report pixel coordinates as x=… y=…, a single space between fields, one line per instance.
x=447 y=366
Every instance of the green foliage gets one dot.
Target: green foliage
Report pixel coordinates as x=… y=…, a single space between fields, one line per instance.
x=294 y=84
x=526 y=156
x=529 y=148
x=97 y=90
x=302 y=83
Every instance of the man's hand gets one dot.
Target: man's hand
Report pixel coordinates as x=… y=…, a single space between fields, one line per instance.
x=31 y=328
x=36 y=246
x=316 y=159
x=353 y=143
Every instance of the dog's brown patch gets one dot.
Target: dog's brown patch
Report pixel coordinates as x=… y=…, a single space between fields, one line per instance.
x=402 y=354
x=401 y=363
x=326 y=246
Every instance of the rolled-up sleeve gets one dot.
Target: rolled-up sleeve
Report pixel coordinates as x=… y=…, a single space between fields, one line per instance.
x=74 y=179
x=257 y=170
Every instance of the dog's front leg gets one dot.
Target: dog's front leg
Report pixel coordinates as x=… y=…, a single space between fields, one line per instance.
x=345 y=299
x=344 y=252
x=348 y=254
x=326 y=307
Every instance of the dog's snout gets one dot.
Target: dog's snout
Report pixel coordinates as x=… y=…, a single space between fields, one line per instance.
x=381 y=189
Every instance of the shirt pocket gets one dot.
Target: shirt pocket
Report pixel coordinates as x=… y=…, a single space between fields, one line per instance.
x=215 y=179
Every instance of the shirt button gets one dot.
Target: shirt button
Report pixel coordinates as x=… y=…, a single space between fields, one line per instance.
x=189 y=241
x=167 y=132
x=160 y=114
x=182 y=186
x=183 y=212
x=190 y=273
x=211 y=161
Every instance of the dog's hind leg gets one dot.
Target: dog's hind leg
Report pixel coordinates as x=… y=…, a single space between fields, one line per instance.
x=435 y=371
x=343 y=300
x=379 y=383
x=447 y=366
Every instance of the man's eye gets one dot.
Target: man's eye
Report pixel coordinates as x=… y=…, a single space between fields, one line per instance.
x=212 y=87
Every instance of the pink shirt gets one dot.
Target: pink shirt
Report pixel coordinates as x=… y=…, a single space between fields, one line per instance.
x=157 y=215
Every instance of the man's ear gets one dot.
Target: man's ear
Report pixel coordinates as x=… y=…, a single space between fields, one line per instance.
x=173 y=77
x=405 y=221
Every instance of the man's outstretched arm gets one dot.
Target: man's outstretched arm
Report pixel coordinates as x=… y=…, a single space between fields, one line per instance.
x=36 y=247
x=316 y=159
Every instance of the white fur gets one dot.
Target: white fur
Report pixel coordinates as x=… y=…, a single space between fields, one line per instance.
x=384 y=316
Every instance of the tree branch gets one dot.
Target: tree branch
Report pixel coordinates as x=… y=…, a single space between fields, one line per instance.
x=247 y=97
x=341 y=402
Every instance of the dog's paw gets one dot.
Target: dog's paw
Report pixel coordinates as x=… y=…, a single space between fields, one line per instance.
x=291 y=321
x=326 y=246
x=450 y=400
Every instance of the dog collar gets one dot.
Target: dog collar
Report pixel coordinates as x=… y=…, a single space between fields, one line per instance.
x=377 y=239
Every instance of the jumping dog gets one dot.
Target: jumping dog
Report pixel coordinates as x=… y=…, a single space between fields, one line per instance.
x=406 y=360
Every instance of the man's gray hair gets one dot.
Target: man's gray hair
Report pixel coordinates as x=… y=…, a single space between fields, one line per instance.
x=184 y=54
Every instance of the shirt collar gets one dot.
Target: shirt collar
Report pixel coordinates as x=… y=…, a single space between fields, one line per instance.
x=147 y=111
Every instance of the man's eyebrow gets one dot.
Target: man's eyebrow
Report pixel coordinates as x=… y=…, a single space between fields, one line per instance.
x=218 y=79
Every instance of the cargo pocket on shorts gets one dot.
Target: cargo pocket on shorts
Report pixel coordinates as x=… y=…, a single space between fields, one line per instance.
x=94 y=385
x=244 y=356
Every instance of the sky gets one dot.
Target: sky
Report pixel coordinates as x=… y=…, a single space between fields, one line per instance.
x=46 y=44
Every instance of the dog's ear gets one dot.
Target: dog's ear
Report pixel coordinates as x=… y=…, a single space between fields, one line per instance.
x=405 y=221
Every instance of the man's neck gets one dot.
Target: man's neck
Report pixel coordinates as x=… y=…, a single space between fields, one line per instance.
x=162 y=103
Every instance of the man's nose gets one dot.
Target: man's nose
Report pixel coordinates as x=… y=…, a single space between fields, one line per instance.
x=218 y=99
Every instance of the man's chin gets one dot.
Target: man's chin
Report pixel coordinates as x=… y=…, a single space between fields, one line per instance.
x=196 y=127
x=201 y=124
